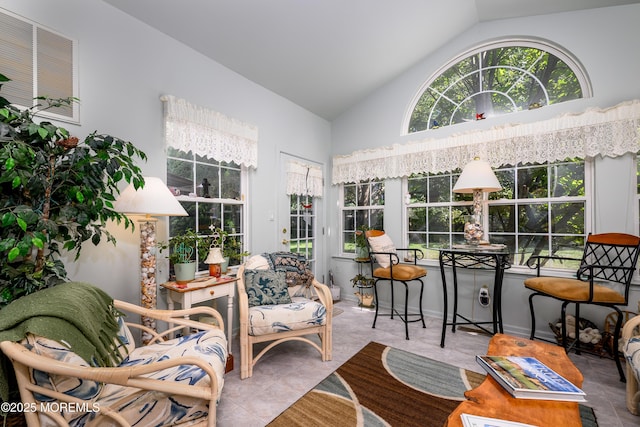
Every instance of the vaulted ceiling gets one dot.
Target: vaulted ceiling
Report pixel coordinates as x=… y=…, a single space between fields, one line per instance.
x=326 y=55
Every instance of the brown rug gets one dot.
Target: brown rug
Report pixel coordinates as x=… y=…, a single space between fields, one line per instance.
x=385 y=386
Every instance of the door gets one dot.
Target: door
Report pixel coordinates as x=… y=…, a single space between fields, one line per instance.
x=300 y=216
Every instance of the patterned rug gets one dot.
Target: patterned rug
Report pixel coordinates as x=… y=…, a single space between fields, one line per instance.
x=384 y=386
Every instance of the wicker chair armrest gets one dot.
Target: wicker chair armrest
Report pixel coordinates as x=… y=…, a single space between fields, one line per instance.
x=174 y=318
x=324 y=295
x=130 y=376
x=629 y=329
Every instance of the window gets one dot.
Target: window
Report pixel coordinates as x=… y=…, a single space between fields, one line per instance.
x=212 y=192
x=499 y=78
x=541 y=209
x=362 y=205
x=302 y=216
x=39 y=62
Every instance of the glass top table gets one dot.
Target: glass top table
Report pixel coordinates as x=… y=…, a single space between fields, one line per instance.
x=484 y=257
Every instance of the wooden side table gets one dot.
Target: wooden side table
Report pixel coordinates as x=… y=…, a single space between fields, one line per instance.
x=491 y=400
x=204 y=289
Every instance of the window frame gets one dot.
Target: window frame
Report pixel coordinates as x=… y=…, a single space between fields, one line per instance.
x=195 y=197
x=462 y=201
x=355 y=209
x=532 y=42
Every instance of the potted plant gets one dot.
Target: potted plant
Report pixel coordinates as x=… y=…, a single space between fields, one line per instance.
x=186 y=250
x=56 y=193
x=361 y=282
x=231 y=249
x=362 y=248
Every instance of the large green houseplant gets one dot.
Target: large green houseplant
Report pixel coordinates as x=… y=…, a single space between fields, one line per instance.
x=56 y=193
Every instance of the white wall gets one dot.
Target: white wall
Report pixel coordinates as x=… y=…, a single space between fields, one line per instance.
x=605 y=42
x=124 y=67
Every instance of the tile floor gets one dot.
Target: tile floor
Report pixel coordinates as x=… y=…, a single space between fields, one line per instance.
x=291 y=369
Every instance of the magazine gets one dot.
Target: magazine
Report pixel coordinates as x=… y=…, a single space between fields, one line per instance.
x=528 y=378
x=477 y=421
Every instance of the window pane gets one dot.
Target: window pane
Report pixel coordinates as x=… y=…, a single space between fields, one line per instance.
x=439 y=189
x=532 y=182
x=417 y=219
x=567 y=179
x=533 y=218
x=418 y=190
x=567 y=218
x=207 y=181
x=349 y=195
x=502 y=218
x=438 y=219
x=377 y=193
x=180 y=176
x=231 y=183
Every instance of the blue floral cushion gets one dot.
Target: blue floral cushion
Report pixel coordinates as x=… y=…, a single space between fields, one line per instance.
x=266 y=287
x=302 y=313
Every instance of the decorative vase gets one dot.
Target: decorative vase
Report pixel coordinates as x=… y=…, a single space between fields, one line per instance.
x=362 y=252
x=185 y=272
x=225 y=265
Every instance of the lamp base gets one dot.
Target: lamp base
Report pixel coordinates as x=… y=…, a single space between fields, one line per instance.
x=473 y=230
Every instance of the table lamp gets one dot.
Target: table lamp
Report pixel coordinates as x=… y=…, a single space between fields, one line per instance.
x=477 y=177
x=214 y=260
x=152 y=201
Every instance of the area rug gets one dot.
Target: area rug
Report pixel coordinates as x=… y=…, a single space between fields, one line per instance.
x=385 y=386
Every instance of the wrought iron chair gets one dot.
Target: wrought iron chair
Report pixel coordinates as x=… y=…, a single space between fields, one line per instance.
x=603 y=278
x=386 y=266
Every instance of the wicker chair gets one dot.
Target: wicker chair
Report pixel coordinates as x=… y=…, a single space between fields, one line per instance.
x=305 y=316
x=50 y=377
x=631 y=339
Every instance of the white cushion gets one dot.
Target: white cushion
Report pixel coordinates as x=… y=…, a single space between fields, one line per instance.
x=256 y=262
x=302 y=313
x=382 y=243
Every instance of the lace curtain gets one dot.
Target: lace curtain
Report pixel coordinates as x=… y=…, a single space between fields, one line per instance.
x=608 y=132
x=208 y=133
x=304 y=179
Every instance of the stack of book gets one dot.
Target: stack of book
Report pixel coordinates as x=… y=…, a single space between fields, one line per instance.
x=528 y=378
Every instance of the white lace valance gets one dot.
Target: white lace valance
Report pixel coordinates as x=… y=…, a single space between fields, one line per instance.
x=304 y=179
x=208 y=133
x=608 y=132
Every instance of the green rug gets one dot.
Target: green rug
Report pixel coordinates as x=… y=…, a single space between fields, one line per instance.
x=384 y=386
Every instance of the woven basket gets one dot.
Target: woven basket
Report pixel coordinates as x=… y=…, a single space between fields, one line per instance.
x=583 y=324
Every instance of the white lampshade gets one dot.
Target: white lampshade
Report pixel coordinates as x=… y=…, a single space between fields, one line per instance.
x=154 y=199
x=215 y=256
x=477 y=175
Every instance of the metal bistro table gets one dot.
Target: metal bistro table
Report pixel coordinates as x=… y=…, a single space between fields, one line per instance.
x=485 y=257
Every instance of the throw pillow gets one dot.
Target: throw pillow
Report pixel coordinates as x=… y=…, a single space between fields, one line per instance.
x=294 y=265
x=382 y=243
x=266 y=287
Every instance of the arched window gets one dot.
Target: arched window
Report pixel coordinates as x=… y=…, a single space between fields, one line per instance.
x=498 y=78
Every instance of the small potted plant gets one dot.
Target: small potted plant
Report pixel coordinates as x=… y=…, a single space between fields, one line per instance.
x=231 y=248
x=185 y=251
x=361 y=282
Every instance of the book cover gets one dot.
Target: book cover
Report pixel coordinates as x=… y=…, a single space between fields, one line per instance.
x=528 y=378
x=469 y=420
